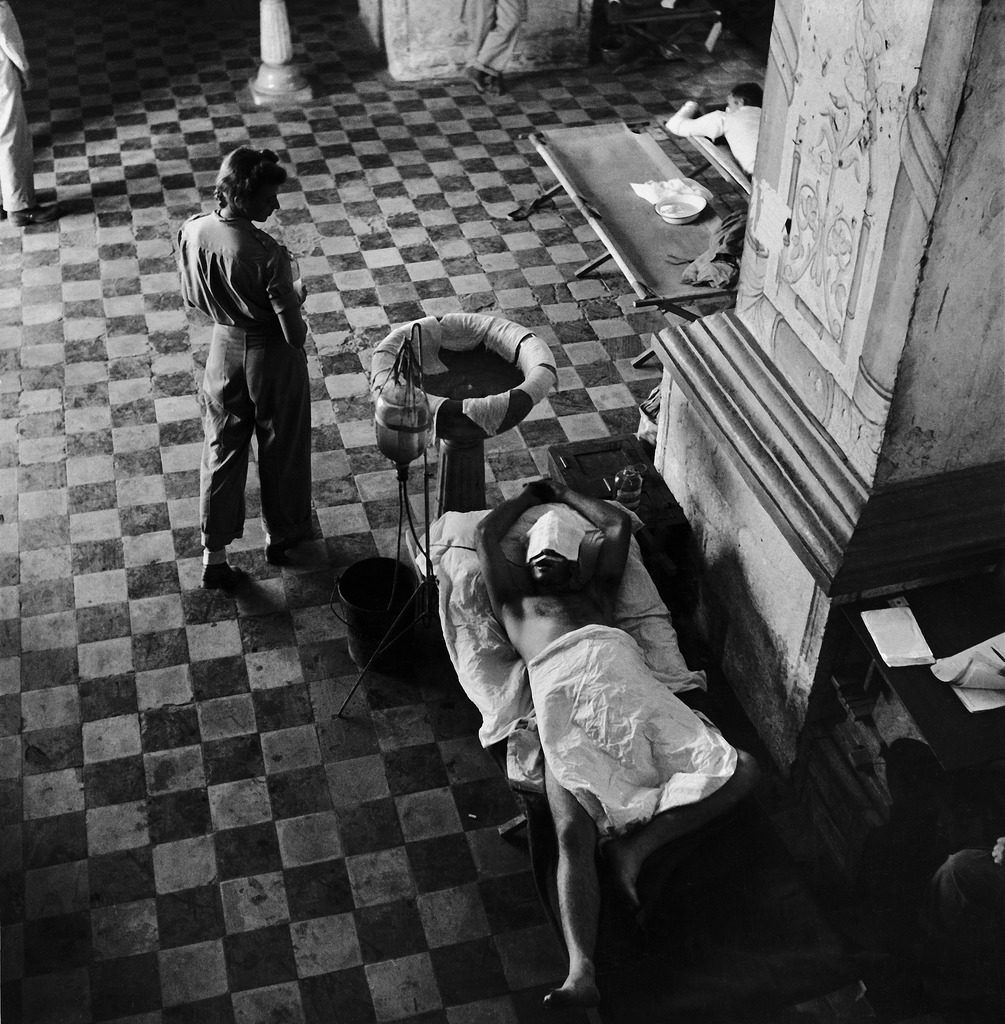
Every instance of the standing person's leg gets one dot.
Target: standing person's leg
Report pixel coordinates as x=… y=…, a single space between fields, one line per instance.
x=497 y=39
x=228 y=424
x=482 y=14
x=277 y=380
x=17 y=186
x=578 y=895
x=482 y=20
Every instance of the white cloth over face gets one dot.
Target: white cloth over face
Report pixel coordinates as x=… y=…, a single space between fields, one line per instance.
x=555 y=532
x=615 y=738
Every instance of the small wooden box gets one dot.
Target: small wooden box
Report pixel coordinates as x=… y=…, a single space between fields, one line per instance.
x=590 y=468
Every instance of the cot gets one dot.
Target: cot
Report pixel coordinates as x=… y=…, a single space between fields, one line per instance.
x=718 y=154
x=727 y=930
x=596 y=166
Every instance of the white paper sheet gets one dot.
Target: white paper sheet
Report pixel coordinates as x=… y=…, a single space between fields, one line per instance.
x=980 y=700
x=977 y=674
x=898 y=637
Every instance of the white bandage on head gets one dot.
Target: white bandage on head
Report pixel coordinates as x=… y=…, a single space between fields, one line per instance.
x=555 y=532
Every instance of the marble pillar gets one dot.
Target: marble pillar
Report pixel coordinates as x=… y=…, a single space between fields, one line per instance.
x=279 y=80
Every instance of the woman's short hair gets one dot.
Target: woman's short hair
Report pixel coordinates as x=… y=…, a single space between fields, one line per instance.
x=749 y=93
x=243 y=172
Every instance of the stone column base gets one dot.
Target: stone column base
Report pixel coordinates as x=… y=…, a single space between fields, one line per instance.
x=279 y=84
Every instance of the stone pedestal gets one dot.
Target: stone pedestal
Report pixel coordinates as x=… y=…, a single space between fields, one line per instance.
x=432 y=38
x=278 y=80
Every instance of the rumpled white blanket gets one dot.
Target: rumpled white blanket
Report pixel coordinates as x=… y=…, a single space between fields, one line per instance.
x=491 y=672
x=622 y=743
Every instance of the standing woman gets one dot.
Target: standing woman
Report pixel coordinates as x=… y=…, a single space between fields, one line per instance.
x=256 y=374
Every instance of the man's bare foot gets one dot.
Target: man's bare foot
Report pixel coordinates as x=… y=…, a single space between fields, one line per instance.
x=581 y=993
x=625 y=867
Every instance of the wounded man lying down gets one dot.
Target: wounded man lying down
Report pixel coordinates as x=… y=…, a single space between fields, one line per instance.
x=626 y=762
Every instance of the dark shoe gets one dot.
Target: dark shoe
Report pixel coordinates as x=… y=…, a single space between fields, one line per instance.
x=275 y=554
x=34 y=215
x=478 y=79
x=222 y=577
x=496 y=85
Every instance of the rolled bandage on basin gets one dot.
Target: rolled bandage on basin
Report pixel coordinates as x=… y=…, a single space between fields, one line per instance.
x=463 y=332
x=487 y=412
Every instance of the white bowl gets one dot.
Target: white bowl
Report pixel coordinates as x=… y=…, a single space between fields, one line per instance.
x=681 y=209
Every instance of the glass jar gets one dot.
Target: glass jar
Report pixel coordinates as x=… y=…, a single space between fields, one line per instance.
x=628 y=487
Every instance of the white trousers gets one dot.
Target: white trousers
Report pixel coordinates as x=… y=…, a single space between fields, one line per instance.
x=17 y=186
x=495 y=30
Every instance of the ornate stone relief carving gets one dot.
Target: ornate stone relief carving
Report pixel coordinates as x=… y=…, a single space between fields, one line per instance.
x=853 y=80
x=855 y=125
x=924 y=160
x=784 y=51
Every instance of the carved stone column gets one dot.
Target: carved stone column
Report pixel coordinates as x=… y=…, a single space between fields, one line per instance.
x=840 y=432
x=278 y=80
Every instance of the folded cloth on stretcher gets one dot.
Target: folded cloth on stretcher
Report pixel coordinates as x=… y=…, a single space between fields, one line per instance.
x=490 y=671
x=655 y=191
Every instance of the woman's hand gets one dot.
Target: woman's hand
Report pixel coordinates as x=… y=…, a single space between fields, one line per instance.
x=294 y=327
x=998 y=851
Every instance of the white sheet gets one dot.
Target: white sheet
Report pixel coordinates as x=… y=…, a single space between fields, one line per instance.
x=489 y=669
x=616 y=739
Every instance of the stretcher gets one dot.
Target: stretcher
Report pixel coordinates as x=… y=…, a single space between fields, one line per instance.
x=722 y=160
x=659 y=28
x=726 y=931
x=596 y=165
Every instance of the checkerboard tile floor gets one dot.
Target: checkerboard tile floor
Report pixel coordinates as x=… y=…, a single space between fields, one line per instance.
x=188 y=833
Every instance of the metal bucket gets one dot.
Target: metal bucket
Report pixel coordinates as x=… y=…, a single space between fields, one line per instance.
x=375 y=595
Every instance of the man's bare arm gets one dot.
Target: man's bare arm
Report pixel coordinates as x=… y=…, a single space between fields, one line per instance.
x=615 y=525
x=502 y=583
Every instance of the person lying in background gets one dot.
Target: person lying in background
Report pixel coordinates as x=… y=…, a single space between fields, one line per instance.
x=739 y=123
x=627 y=763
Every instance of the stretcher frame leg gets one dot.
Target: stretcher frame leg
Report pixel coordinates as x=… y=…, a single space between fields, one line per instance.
x=523 y=212
x=665 y=305
x=589 y=268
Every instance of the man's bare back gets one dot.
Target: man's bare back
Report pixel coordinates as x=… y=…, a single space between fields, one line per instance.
x=533 y=621
x=541 y=601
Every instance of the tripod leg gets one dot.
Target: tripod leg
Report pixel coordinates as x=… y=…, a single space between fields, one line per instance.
x=384 y=643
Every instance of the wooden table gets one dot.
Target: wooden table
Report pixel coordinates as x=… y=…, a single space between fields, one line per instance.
x=953 y=616
x=596 y=165
x=590 y=467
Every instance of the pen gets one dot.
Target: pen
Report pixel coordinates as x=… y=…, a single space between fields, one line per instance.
x=994 y=650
